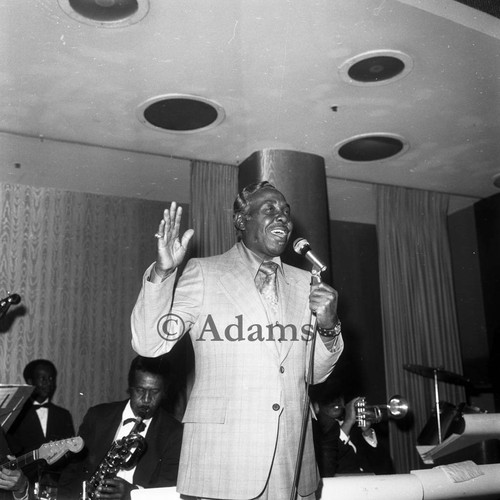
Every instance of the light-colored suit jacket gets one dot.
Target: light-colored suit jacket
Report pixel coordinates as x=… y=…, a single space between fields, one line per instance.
x=246 y=390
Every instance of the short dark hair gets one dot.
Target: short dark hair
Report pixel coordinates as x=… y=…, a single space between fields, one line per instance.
x=241 y=204
x=29 y=369
x=327 y=392
x=156 y=366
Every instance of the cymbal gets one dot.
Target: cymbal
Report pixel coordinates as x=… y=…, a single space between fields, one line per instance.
x=442 y=375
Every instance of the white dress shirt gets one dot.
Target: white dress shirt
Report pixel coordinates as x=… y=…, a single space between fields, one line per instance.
x=42 y=414
x=124 y=430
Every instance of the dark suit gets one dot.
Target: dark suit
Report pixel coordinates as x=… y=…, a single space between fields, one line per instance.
x=26 y=435
x=4 y=451
x=157 y=467
x=336 y=457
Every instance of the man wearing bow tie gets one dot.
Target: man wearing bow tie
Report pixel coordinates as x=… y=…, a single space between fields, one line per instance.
x=40 y=421
x=106 y=423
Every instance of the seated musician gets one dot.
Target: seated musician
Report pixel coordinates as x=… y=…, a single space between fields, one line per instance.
x=40 y=421
x=342 y=446
x=108 y=423
x=13 y=482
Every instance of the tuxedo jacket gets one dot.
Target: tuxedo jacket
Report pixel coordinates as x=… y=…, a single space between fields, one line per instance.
x=4 y=451
x=245 y=389
x=369 y=459
x=336 y=457
x=26 y=434
x=158 y=465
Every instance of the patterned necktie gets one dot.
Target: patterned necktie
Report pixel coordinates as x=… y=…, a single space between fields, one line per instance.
x=267 y=287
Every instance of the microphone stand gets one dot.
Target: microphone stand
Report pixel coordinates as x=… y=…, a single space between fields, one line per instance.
x=315 y=280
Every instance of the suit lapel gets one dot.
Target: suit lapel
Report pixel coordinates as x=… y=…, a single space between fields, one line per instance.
x=109 y=420
x=148 y=463
x=238 y=285
x=33 y=421
x=294 y=298
x=237 y=281
x=52 y=422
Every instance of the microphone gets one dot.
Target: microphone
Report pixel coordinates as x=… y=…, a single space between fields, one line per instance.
x=10 y=300
x=302 y=247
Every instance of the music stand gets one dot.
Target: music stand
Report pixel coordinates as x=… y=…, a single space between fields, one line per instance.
x=476 y=428
x=12 y=399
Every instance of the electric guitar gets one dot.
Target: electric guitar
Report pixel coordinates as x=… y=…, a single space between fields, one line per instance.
x=50 y=452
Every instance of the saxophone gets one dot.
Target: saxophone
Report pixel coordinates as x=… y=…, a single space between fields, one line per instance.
x=123 y=454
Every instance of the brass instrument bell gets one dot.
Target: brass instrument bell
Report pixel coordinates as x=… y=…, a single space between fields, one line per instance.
x=396 y=408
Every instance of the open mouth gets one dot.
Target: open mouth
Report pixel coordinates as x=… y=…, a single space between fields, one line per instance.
x=281 y=233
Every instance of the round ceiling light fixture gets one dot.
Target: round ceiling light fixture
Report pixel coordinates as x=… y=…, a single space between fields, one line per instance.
x=180 y=113
x=371 y=147
x=106 y=13
x=496 y=180
x=376 y=67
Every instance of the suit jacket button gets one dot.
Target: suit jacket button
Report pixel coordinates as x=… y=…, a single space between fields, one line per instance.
x=282 y=369
x=276 y=406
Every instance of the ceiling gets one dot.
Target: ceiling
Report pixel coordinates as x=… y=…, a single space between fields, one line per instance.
x=71 y=91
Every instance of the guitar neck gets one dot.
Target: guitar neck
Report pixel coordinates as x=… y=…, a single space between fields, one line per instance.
x=50 y=452
x=22 y=461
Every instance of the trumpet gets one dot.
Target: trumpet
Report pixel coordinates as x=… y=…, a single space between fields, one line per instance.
x=396 y=408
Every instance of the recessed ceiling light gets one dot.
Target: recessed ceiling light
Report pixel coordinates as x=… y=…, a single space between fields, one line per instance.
x=180 y=113
x=371 y=147
x=496 y=180
x=106 y=13
x=376 y=67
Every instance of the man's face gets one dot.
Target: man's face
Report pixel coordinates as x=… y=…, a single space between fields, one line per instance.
x=335 y=409
x=44 y=380
x=267 y=226
x=146 y=394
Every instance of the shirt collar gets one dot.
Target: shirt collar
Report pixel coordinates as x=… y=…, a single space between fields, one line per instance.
x=36 y=403
x=253 y=261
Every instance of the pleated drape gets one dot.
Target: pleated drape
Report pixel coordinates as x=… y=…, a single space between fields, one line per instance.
x=213 y=190
x=76 y=260
x=418 y=308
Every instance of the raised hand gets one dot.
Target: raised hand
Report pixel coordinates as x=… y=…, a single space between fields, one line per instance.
x=171 y=247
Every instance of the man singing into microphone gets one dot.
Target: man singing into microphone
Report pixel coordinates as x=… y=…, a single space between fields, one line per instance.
x=243 y=419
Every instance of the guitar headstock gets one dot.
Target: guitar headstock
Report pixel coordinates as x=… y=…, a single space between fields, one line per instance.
x=53 y=451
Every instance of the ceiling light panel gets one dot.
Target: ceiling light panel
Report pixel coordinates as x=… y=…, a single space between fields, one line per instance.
x=376 y=67
x=106 y=13
x=180 y=113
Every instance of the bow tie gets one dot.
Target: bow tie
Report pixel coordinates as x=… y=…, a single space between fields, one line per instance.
x=141 y=426
x=37 y=407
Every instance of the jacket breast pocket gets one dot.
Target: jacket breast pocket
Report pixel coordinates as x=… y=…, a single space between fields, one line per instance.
x=205 y=409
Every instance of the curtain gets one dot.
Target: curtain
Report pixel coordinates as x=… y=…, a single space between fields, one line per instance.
x=76 y=260
x=213 y=190
x=418 y=308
